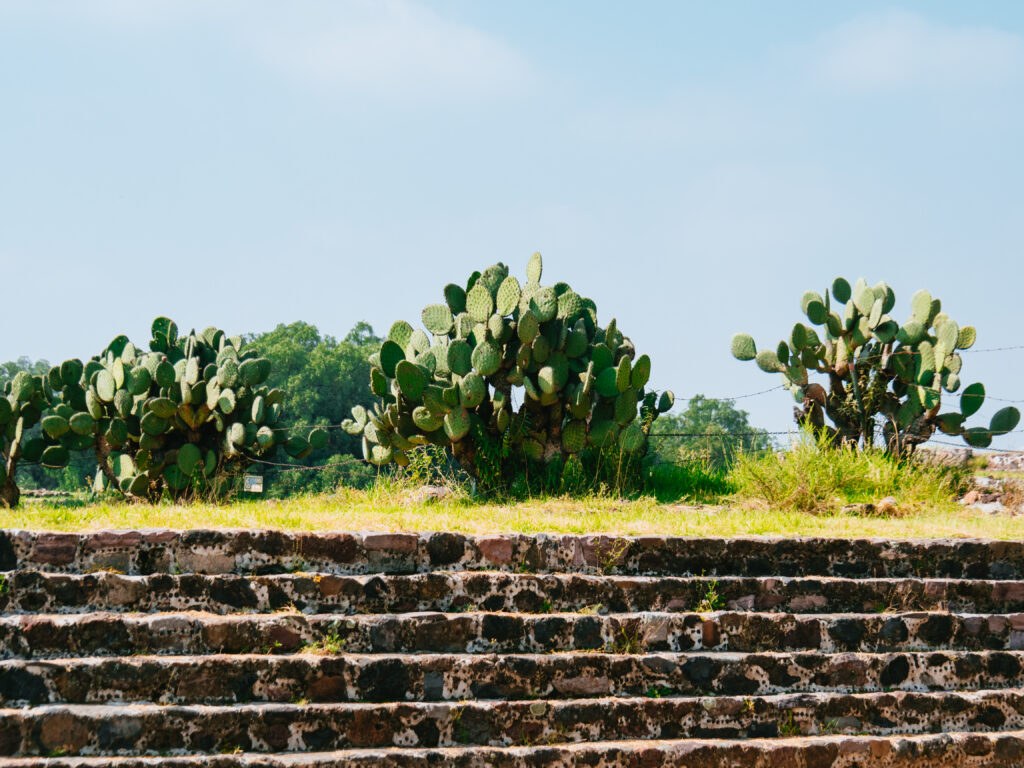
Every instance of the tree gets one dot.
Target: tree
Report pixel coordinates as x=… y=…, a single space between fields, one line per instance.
x=11 y=368
x=323 y=378
x=710 y=430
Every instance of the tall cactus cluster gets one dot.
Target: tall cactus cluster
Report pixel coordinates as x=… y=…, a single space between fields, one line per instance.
x=491 y=343
x=179 y=418
x=23 y=403
x=878 y=371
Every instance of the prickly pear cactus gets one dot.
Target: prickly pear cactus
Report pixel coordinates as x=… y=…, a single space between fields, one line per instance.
x=524 y=368
x=181 y=417
x=878 y=371
x=23 y=400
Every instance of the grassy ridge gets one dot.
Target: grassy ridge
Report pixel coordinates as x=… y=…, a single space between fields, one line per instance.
x=805 y=491
x=395 y=511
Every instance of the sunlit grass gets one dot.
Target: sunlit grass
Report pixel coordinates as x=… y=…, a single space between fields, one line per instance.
x=390 y=511
x=816 y=477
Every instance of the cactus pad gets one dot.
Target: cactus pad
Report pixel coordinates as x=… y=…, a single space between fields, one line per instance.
x=411 y=379
x=508 y=296
x=438 y=319
x=479 y=303
x=486 y=358
x=472 y=390
x=535 y=268
x=743 y=347
x=574 y=436
x=544 y=304
x=456 y=424
x=455 y=298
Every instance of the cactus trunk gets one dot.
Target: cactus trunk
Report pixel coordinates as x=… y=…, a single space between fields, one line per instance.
x=10 y=494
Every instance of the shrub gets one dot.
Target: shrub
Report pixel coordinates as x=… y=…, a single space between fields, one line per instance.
x=877 y=369
x=817 y=476
x=25 y=398
x=184 y=418
x=581 y=388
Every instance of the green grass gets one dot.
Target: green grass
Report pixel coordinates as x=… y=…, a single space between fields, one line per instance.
x=801 y=492
x=363 y=510
x=814 y=477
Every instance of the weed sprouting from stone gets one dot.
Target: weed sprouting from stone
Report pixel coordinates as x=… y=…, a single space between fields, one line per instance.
x=788 y=725
x=630 y=642
x=606 y=561
x=711 y=601
x=330 y=644
x=828 y=727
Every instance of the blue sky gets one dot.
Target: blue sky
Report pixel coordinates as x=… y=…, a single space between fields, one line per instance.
x=692 y=167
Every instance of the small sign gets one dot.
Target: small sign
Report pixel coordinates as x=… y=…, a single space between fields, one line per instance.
x=253 y=484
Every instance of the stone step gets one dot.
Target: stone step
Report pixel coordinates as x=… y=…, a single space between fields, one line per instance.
x=231 y=679
x=261 y=552
x=37 y=592
x=119 y=634
x=134 y=729
x=965 y=750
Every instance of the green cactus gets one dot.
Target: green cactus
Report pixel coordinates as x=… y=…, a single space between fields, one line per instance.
x=23 y=402
x=879 y=373
x=580 y=387
x=193 y=410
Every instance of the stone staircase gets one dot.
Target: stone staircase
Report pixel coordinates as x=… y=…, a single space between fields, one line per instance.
x=243 y=648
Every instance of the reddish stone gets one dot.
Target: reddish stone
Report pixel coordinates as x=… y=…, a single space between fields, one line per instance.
x=224 y=636
x=603 y=551
x=329 y=688
x=976 y=745
x=159 y=537
x=1008 y=590
x=330 y=585
x=745 y=603
x=55 y=548
x=283 y=637
x=935 y=589
x=768 y=602
x=807 y=603
x=710 y=634
x=369 y=729
x=497 y=550
x=880 y=748
x=62 y=732
x=973 y=624
x=854 y=747
x=584 y=686
x=277 y=736
x=102 y=540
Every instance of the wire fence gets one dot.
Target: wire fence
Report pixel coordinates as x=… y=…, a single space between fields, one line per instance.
x=357 y=466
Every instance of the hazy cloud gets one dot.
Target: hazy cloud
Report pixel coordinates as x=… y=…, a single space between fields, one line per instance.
x=389 y=48
x=899 y=49
x=391 y=45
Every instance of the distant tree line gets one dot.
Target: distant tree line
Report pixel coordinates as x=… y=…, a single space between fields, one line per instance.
x=325 y=377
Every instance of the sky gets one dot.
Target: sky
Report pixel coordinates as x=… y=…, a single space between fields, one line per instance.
x=692 y=167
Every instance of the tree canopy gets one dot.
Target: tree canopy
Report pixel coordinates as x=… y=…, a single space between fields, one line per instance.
x=710 y=430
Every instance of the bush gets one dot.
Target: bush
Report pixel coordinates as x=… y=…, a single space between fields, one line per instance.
x=820 y=477
x=878 y=373
x=519 y=382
